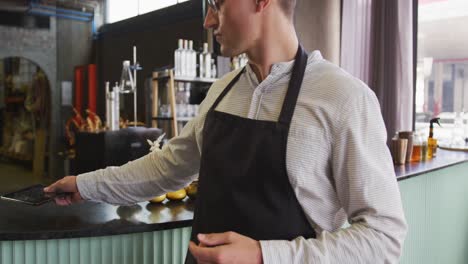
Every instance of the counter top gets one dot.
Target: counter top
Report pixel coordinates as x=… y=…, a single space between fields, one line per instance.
x=445 y=158
x=89 y=219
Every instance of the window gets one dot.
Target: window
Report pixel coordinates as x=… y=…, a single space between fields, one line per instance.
x=122 y=9
x=442 y=66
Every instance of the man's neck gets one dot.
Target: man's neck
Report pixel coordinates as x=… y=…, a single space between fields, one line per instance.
x=277 y=44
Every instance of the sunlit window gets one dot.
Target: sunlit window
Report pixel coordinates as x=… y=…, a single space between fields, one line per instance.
x=442 y=68
x=122 y=9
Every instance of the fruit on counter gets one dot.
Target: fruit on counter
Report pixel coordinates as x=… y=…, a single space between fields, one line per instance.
x=177 y=195
x=158 y=199
x=192 y=190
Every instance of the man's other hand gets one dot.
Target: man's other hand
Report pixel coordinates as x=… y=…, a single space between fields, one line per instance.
x=229 y=247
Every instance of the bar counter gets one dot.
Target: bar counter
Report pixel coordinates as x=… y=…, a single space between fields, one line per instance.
x=91 y=232
x=444 y=159
x=433 y=193
x=25 y=222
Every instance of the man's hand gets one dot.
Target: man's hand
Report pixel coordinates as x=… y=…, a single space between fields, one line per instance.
x=65 y=185
x=229 y=247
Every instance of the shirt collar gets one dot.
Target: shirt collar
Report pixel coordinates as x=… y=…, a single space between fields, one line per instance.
x=281 y=68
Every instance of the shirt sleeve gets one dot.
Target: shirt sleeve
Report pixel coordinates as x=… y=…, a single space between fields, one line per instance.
x=365 y=181
x=159 y=172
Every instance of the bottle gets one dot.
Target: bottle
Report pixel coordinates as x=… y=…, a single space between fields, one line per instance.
x=214 y=71
x=116 y=108
x=180 y=100
x=243 y=60
x=177 y=58
x=465 y=125
x=417 y=148
x=109 y=104
x=187 y=93
x=201 y=65
x=192 y=60
x=431 y=141
x=184 y=60
x=206 y=61
x=424 y=149
x=126 y=79
x=458 y=131
x=189 y=60
x=235 y=63
x=179 y=95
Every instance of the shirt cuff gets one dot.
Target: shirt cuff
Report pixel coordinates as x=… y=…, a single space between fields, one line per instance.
x=87 y=185
x=276 y=251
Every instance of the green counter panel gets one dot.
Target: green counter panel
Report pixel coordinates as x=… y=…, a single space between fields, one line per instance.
x=436 y=208
x=168 y=246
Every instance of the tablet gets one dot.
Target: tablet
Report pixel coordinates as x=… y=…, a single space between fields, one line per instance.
x=33 y=195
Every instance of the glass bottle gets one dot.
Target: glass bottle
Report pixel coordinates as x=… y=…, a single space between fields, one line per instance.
x=116 y=108
x=236 y=63
x=184 y=60
x=201 y=65
x=458 y=139
x=416 y=156
x=177 y=58
x=465 y=127
x=192 y=60
x=206 y=61
x=180 y=100
x=214 y=72
x=126 y=79
x=187 y=93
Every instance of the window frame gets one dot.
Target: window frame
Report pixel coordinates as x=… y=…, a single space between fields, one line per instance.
x=415 y=56
x=106 y=10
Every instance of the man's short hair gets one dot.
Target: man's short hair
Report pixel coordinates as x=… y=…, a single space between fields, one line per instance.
x=288 y=7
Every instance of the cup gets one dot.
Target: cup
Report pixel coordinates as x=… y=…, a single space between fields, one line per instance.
x=416 y=156
x=424 y=151
x=190 y=110
x=409 y=149
x=399 y=150
x=165 y=110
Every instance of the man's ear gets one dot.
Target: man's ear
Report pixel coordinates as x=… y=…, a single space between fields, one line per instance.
x=261 y=5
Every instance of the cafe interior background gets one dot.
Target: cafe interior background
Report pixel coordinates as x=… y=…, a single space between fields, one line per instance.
x=84 y=84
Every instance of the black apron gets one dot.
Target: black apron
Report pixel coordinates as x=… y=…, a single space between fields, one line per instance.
x=243 y=183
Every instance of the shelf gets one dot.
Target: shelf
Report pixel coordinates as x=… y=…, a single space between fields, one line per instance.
x=14 y=99
x=187 y=79
x=179 y=119
x=197 y=79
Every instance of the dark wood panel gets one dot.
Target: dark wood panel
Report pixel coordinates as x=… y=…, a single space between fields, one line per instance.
x=155 y=34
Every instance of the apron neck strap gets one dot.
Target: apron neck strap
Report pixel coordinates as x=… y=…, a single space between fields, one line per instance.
x=227 y=89
x=294 y=88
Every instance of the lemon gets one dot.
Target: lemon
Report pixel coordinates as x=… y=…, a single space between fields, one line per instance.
x=158 y=199
x=177 y=195
x=192 y=190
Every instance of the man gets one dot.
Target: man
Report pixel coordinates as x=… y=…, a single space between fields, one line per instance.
x=287 y=149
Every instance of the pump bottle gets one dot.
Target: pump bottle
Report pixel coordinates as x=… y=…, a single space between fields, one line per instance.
x=431 y=141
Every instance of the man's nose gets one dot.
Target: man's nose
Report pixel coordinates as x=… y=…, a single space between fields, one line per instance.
x=211 y=20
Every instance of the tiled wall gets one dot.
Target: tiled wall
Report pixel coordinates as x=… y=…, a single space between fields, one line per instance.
x=40 y=47
x=37 y=45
